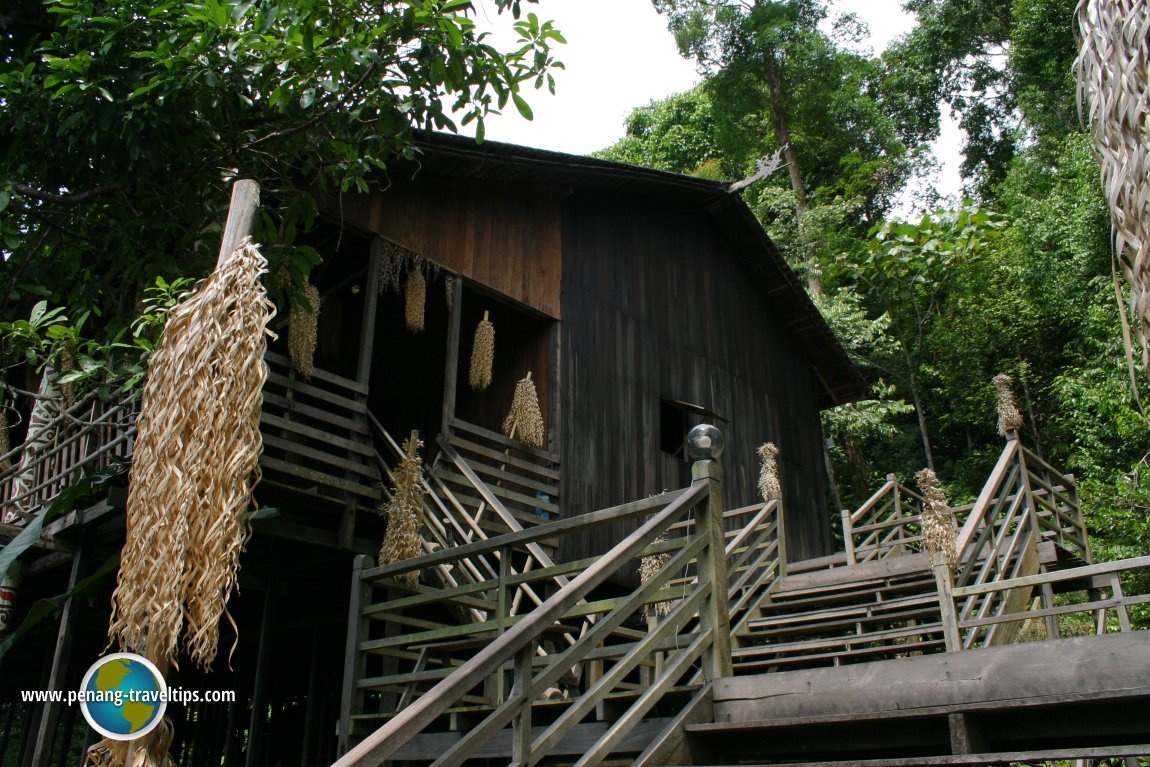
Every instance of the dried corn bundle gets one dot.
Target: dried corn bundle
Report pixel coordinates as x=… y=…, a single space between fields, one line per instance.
x=482 y=355
x=937 y=518
x=67 y=390
x=769 y=473
x=525 y=420
x=415 y=297
x=196 y=463
x=405 y=511
x=5 y=445
x=649 y=567
x=302 y=332
x=1114 y=85
x=1009 y=419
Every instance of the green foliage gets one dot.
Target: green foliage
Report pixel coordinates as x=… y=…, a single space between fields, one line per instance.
x=125 y=121
x=677 y=134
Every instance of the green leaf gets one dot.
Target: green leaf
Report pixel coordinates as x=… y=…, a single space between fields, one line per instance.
x=522 y=106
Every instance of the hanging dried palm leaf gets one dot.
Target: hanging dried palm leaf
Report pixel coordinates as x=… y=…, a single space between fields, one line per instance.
x=649 y=567
x=405 y=511
x=302 y=323
x=938 y=525
x=153 y=750
x=482 y=355
x=196 y=463
x=1009 y=419
x=1113 y=71
x=525 y=420
x=415 y=296
x=769 y=473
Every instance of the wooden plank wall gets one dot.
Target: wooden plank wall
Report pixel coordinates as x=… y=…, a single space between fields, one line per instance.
x=656 y=307
x=503 y=236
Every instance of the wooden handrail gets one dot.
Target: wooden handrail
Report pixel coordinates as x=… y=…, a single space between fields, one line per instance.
x=410 y=721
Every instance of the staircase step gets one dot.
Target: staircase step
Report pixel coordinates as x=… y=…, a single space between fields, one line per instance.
x=765 y=630
x=852 y=646
x=973 y=760
x=864 y=592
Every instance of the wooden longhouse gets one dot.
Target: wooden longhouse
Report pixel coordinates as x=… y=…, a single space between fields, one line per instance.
x=642 y=304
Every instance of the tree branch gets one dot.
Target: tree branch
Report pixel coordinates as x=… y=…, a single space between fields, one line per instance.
x=71 y=199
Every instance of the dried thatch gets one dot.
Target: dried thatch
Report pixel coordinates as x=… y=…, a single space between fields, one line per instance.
x=649 y=567
x=415 y=296
x=482 y=355
x=938 y=525
x=1113 y=70
x=1009 y=419
x=769 y=473
x=525 y=420
x=196 y=463
x=405 y=511
x=302 y=323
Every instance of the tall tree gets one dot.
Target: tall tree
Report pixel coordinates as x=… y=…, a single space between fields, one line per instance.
x=124 y=121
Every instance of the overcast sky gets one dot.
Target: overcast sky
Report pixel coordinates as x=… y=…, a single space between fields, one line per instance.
x=620 y=55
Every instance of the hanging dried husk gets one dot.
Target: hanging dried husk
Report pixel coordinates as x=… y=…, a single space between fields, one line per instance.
x=525 y=420
x=482 y=355
x=302 y=325
x=67 y=390
x=769 y=485
x=1113 y=72
x=405 y=512
x=1009 y=419
x=395 y=260
x=153 y=750
x=196 y=463
x=649 y=567
x=5 y=445
x=415 y=297
x=938 y=524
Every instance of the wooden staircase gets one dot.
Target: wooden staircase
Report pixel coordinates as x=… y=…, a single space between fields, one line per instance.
x=863 y=658
x=882 y=609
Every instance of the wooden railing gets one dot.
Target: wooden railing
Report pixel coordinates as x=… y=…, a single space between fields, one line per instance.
x=886 y=525
x=1024 y=503
x=88 y=436
x=316 y=435
x=1082 y=590
x=439 y=665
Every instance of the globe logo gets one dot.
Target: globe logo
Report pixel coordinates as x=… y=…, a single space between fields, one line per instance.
x=123 y=696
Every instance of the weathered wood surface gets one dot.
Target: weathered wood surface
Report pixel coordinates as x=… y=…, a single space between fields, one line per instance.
x=242 y=209
x=657 y=306
x=906 y=564
x=1083 y=668
x=995 y=757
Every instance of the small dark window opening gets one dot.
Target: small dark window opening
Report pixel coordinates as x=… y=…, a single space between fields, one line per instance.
x=672 y=430
x=675 y=419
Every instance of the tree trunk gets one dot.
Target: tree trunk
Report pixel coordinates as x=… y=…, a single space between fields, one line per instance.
x=918 y=411
x=779 y=118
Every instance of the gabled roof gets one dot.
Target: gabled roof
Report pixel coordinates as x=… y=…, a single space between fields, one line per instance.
x=461 y=157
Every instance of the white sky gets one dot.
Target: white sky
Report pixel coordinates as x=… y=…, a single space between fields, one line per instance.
x=620 y=55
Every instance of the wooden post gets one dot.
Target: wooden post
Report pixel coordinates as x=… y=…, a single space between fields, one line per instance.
x=521 y=736
x=781 y=534
x=257 y=734
x=57 y=677
x=451 y=365
x=944 y=580
x=352 y=664
x=502 y=616
x=705 y=443
x=848 y=537
x=241 y=215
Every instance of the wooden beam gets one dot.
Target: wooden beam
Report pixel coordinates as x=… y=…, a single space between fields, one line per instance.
x=451 y=364
x=241 y=215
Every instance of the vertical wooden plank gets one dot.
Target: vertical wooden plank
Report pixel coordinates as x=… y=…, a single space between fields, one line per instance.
x=367 y=322
x=848 y=536
x=57 y=677
x=451 y=364
x=944 y=581
x=257 y=734
x=352 y=700
x=713 y=568
x=241 y=215
x=521 y=726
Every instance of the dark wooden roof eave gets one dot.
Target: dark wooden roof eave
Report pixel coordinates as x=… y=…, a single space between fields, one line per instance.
x=457 y=156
